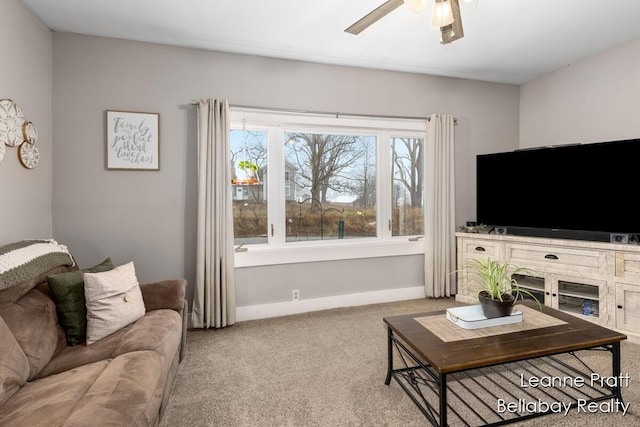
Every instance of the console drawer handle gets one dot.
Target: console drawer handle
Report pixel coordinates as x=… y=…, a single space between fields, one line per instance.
x=480 y=249
x=551 y=256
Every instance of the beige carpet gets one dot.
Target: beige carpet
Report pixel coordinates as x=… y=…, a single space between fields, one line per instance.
x=324 y=369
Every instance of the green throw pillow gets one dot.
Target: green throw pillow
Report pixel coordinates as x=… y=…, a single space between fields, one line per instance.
x=67 y=290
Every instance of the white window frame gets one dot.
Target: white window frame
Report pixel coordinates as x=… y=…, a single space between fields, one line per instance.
x=277 y=250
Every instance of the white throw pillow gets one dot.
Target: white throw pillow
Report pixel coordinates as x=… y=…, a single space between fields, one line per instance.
x=113 y=300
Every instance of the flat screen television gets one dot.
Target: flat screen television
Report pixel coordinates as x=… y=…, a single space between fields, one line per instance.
x=582 y=191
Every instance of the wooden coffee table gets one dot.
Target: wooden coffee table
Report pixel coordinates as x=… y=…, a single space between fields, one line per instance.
x=496 y=376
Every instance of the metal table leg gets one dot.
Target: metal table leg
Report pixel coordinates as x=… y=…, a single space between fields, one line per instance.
x=616 y=369
x=442 y=391
x=389 y=355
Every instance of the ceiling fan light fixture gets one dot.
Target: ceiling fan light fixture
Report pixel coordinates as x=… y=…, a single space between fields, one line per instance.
x=414 y=6
x=442 y=14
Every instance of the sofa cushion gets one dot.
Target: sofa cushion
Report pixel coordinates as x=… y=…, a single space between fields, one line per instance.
x=158 y=331
x=14 y=366
x=113 y=301
x=128 y=393
x=34 y=324
x=125 y=391
x=51 y=400
x=67 y=290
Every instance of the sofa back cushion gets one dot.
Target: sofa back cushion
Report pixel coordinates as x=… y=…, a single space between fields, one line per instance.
x=33 y=322
x=14 y=367
x=28 y=314
x=11 y=295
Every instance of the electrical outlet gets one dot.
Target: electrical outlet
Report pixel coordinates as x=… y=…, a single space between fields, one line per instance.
x=295 y=295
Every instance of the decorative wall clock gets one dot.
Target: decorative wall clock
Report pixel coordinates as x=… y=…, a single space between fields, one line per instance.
x=11 y=122
x=29 y=132
x=29 y=155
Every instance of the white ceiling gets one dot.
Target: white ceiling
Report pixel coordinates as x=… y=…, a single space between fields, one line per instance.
x=510 y=41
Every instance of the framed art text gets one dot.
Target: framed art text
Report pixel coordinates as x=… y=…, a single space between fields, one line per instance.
x=133 y=140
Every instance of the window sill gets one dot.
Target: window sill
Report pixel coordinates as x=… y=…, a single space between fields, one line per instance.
x=294 y=253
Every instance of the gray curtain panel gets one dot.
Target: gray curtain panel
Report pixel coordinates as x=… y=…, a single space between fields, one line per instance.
x=214 y=302
x=440 y=250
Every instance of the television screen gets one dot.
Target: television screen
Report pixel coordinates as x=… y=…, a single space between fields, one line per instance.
x=586 y=187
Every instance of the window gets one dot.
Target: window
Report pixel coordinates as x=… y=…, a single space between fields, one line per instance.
x=334 y=186
x=250 y=203
x=306 y=180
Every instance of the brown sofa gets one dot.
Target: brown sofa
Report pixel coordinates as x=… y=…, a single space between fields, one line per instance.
x=122 y=380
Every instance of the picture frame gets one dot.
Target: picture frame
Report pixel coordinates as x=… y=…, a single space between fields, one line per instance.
x=132 y=140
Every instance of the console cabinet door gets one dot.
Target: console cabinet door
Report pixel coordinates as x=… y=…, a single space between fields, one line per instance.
x=538 y=286
x=582 y=297
x=628 y=307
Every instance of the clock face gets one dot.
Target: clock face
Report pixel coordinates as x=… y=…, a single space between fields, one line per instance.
x=29 y=155
x=11 y=122
x=30 y=133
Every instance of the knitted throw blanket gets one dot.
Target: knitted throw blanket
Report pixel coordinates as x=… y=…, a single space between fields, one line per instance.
x=28 y=259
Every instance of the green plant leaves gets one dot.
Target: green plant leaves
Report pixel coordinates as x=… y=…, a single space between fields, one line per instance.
x=496 y=278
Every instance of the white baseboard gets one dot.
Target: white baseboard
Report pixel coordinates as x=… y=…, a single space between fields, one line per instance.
x=263 y=311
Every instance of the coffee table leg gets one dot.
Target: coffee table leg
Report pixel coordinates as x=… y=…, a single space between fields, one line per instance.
x=617 y=368
x=389 y=355
x=442 y=391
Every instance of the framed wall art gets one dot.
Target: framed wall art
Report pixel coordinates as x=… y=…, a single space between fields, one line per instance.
x=132 y=140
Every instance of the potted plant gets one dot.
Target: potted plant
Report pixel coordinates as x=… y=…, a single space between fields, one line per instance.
x=480 y=228
x=250 y=169
x=499 y=290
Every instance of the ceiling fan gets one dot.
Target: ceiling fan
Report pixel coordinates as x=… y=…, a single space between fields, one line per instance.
x=446 y=16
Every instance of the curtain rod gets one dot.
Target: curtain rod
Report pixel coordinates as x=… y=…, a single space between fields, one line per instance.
x=325 y=113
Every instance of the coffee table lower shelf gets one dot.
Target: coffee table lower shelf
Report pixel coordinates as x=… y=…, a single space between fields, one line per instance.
x=502 y=394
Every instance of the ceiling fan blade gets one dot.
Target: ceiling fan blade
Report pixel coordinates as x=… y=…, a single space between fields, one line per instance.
x=453 y=31
x=374 y=16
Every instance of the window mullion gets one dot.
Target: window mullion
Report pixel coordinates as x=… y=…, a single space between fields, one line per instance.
x=275 y=186
x=384 y=186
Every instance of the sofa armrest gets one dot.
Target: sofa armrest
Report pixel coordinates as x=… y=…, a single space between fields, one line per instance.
x=168 y=294
x=165 y=294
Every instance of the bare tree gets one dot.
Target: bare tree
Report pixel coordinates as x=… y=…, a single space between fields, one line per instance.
x=407 y=167
x=365 y=176
x=324 y=161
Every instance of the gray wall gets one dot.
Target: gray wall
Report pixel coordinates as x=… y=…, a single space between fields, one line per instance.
x=327 y=278
x=25 y=77
x=594 y=100
x=150 y=217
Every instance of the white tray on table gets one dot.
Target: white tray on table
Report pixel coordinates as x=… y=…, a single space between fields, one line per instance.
x=471 y=317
